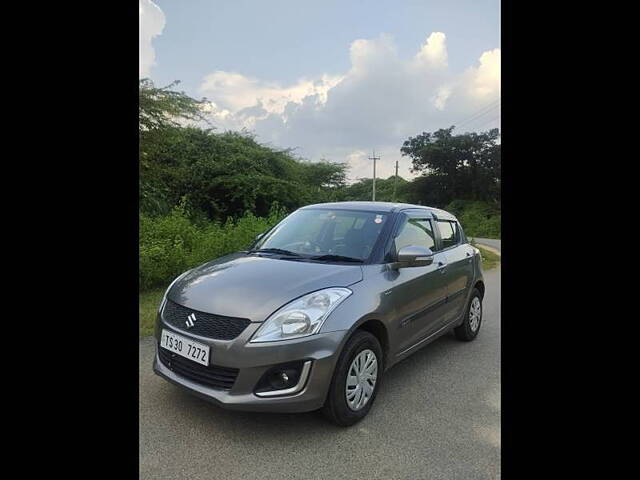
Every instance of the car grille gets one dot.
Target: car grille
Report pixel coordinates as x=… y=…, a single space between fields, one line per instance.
x=205 y=324
x=213 y=376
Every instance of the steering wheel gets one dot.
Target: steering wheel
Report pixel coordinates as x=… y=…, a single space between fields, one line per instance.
x=311 y=246
x=307 y=246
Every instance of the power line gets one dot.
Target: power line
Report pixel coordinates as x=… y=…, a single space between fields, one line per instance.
x=484 y=122
x=478 y=113
x=480 y=110
x=491 y=113
x=477 y=117
x=489 y=121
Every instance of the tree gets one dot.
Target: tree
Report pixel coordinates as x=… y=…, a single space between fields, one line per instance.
x=162 y=107
x=362 y=189
x=465 y=166
x=217 y=176
x=325 y=174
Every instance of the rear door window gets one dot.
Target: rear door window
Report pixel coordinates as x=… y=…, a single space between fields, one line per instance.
x=449 y=233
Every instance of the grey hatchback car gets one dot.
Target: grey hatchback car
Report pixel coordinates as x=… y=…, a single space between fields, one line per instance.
x=319 y=307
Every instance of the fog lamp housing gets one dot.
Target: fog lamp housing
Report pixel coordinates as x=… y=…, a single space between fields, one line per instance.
x=283 y=379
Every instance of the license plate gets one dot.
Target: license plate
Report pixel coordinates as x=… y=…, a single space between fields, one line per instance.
x=185 y=347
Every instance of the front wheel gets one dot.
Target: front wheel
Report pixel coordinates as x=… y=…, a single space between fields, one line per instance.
x=471 y=324
x=355 y=380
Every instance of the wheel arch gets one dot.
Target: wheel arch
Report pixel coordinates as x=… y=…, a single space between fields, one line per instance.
x=379 y=330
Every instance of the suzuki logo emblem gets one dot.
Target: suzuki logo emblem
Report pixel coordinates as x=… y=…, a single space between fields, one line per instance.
x=191 y=320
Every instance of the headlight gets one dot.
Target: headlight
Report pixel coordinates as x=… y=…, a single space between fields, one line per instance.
x=302 y=317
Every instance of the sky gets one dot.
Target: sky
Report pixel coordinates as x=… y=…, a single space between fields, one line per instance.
x=332 y=80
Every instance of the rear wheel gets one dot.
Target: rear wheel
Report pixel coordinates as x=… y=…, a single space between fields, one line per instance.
x=473 y=318
x=355 y=380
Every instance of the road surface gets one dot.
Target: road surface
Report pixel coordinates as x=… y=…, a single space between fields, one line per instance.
x=437 y=416
x=491 y=242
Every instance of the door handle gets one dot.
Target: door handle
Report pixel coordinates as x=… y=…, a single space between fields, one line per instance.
x=442 y=267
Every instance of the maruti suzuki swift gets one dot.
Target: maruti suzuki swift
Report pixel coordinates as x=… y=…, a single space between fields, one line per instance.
x=319 y=307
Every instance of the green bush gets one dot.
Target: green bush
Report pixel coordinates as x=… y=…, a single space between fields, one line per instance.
x=478 y=219
x=171 y=244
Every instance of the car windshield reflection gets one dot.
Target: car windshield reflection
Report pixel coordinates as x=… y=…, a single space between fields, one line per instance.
x=324 y=235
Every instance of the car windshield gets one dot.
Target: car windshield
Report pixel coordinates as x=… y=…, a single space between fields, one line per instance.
x=331 y=235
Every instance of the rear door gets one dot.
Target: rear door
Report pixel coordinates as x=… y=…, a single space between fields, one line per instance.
x=459 y=266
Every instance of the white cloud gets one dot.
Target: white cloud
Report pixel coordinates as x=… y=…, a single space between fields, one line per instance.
x=486 y=78
x=434 y=52
x=378 y=103
x=152 y=23
x=236 y=92
x=441 y=97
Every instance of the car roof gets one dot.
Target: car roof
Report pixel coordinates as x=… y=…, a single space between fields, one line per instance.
x=389 y=207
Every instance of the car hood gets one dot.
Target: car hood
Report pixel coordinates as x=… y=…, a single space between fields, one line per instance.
x=253 y=287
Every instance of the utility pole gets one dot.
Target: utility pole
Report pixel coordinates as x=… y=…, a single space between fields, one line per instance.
x=395 y=182
x=374 y=158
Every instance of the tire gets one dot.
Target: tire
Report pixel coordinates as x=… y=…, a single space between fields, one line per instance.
x=466 y=332
x=336 y=407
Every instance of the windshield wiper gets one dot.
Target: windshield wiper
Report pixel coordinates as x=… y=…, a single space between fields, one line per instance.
x=336 y=258
x=279 y=251
x=289 y=253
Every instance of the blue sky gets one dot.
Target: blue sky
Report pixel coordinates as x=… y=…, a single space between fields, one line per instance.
x=333 y=79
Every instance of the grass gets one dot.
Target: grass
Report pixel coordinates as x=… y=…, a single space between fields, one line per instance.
x=148 y=307
x=489 y=259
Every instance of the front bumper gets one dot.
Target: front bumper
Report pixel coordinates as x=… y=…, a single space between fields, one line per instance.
x=253 y=360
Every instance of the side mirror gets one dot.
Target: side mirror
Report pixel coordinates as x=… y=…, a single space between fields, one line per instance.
x=414 y=256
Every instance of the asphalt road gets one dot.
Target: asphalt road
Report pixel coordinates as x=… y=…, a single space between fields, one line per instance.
x=491 y=242
x=437 y=416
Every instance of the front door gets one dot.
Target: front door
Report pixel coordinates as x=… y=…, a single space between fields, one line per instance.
x=419 y=293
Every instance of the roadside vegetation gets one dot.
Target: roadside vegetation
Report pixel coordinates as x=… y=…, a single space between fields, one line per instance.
x=489 y=259
x=478 y=219
x=148 y=306
x=205 y=193
x=171 y=244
